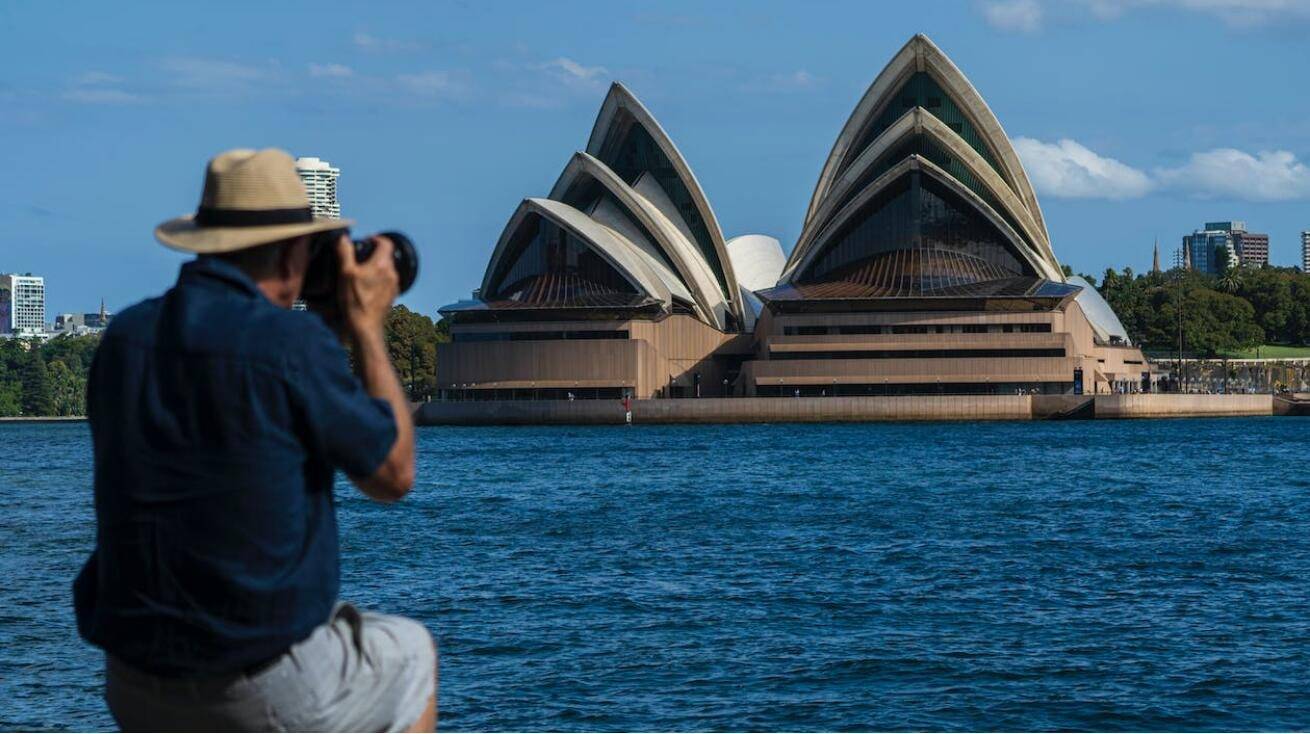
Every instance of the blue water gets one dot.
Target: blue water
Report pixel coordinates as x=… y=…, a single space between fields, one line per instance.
x=1019 y=576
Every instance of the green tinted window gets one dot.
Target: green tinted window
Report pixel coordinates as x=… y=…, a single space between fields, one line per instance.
x=914 y=236
x=630 y=151
x=545 y=264
x=921 y=90
x=929 y=150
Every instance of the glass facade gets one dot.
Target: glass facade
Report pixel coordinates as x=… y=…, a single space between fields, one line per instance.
x=928 y=149
x=921 y=353
x=924 y=388
x=856 y=329
x=586 y=193
x=1209 y=250
x=921 y=90
x=537 y=336
x=913 y=237
x=546 y=265
x=631 y=151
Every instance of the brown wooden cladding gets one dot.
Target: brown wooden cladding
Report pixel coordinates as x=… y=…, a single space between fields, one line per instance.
x=672 y=351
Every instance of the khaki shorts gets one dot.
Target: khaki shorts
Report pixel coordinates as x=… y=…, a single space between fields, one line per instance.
x=357 y=672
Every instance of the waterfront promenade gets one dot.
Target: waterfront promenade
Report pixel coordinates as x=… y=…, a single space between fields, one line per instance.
x=847 y=409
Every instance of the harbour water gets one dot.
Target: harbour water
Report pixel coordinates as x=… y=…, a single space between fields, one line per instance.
x=1119 y=575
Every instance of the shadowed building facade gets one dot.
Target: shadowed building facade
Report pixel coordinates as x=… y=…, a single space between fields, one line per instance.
x=923 y=267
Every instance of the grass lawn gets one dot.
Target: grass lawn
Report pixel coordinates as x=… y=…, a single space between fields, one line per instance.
x=1274 y=351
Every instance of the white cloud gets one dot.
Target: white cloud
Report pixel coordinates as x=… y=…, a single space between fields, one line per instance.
x=1020 y=16
x=1027 y=16
x=99 y=87
x=330 y=71
x=574 y=73
x=1230 y=173
x=96 y=78
x=1067 y=169
x=792 y=81
x=378 y=44
x=531 y=101
x=1236 y=13
x=100 y=96
x=212 y=74
x=433 y=84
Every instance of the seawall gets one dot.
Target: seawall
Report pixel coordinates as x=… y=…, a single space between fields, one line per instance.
x=843 y=409
x=1182 y=406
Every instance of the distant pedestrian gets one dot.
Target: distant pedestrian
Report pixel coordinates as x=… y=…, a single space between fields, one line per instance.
x=218 y=417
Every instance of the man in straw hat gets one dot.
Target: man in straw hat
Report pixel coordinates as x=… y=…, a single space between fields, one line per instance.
x=218 y=416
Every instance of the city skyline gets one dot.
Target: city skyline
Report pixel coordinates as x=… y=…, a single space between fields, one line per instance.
x=441 y=116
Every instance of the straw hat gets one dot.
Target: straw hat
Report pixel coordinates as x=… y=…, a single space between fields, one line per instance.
x=250 y=198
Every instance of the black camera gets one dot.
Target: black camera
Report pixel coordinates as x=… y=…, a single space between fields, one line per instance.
x=321 y=277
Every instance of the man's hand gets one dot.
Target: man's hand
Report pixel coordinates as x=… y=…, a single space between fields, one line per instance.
x=365 y=292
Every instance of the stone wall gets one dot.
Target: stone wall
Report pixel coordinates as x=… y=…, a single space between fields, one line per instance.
x=1182 y=406
x=843 y=409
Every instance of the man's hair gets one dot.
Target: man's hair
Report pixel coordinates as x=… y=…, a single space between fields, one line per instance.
x=258 y=261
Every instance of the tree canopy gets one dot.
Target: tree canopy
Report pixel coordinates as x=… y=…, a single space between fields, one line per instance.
x=412 y=340
x=1239 y=309
x=49 y=379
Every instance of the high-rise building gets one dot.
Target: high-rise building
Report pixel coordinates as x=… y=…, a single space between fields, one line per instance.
x=1221 y=244
x=321 y=184
x=1305 y=251
x=1252 y=249
x=22 y=304
x=320 y=180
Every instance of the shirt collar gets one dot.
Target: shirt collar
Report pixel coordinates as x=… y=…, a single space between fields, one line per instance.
x=216 y=271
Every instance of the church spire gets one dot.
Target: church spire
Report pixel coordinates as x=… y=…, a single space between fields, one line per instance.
x=1155 y=264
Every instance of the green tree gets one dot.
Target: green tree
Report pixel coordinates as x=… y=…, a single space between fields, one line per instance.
x=74 y=351
x=1221 y=264
x=1230 y=281
x=68 y=389
x=1269 y=290
x=38 y=398
x=412 y=340
x=1213 y=323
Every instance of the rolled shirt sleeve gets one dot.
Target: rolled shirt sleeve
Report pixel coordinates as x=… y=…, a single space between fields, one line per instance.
x=351 y=429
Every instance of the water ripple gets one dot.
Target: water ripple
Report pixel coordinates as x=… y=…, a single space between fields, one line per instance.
x=1144 y=575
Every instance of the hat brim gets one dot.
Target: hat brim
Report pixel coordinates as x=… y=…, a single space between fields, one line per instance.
x=183 y=234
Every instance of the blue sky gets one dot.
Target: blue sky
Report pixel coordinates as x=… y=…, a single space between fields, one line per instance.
x=1135 y=118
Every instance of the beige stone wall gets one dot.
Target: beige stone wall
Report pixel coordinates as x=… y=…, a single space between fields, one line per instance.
x=846 y=409
x=1176 y=406
x=676 y=347
x=880 y=408
x=731 y=410
x=546 y=364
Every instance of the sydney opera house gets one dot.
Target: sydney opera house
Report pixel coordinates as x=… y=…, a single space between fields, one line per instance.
x=923 y=266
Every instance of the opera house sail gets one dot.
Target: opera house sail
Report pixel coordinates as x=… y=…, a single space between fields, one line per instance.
x=923 y=266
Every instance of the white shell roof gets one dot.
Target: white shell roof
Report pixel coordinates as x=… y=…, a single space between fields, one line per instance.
x=757 y=260
x=1098 y=312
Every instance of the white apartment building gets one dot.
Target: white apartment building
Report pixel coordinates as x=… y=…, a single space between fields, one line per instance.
x=321 y=184
x=22 y=304
x=1305 y=251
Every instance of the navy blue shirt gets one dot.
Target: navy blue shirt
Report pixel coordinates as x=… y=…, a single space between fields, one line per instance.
x=218 y=419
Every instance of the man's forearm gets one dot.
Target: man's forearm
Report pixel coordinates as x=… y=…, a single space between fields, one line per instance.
x=380 y=381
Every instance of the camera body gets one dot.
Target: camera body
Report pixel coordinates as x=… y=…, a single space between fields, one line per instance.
x=321 y=277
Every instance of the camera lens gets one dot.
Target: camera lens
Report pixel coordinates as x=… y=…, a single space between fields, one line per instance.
x=404 y=256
